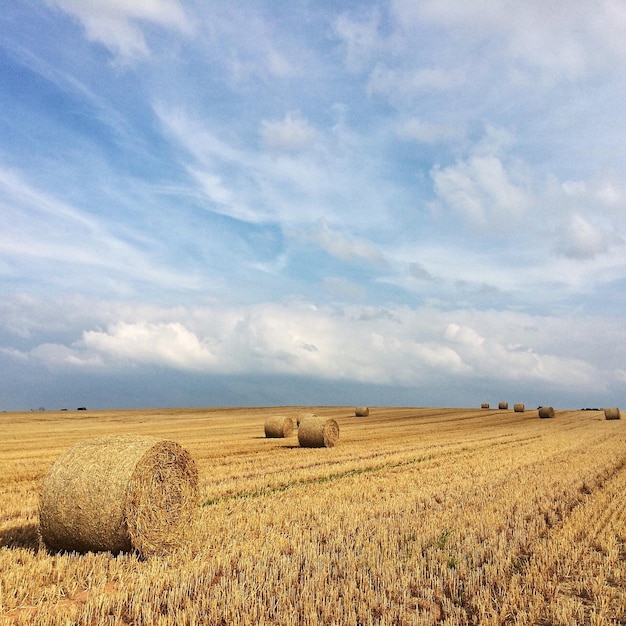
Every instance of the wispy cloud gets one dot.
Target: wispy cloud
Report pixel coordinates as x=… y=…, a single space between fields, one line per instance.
x=117 y=25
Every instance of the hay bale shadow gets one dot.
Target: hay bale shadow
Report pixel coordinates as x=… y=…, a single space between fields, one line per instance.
x=25 y=536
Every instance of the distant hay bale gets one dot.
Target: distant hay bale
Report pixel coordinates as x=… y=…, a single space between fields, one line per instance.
x=519 y=408
x=612 y=413
x=503 y=405
x=302 y=416
x=278 y=426
x=318 y=432
x=361 y=411
x=119 y=493
x=546 y=411
x=484 y=405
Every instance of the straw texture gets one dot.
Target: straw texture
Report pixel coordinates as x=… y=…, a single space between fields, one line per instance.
x=278 y=426
x=519 y=407
x=117 y=494
x=318 y=432
x=503 y=405
x=546 y=411
x=361 y=411
x=612 y=413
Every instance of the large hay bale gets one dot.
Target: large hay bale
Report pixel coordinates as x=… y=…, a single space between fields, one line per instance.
x=519 y=407
x=361 y=411
x=278 y=426
x=484 y=405
x=117 y=494
x=503 y=405
x=546 y=411
x=612 y=413
x=318 y=432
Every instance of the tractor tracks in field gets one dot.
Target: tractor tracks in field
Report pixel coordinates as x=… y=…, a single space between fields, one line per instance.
x=434 y=454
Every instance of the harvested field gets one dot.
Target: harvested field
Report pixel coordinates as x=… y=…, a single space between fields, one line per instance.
x=416 y=516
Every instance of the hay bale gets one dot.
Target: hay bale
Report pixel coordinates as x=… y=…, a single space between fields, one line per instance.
x=278 y=426
x=612 y=413
x=361 y=411
x=546 y=411
x=503 y=405
x=484 y=405
x=119 y=493
x=302 y=416
x=519 y=407
x=318 y=432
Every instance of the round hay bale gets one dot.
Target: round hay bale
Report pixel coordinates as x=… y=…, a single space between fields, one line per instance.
x=119 y=493
x=484 y=405
x=318 y=432
x=302 y=416
x=361 y=411
x=612 y=413
x=546 y=411
x=519 y=407
x=503 y=405
x=278 y=426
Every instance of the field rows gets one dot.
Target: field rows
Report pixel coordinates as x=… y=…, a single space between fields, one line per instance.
x=417 y=516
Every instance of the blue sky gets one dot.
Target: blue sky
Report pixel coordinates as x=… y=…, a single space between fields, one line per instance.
x=386 y=202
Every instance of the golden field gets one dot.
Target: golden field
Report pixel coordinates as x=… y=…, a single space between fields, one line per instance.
x=416 y=516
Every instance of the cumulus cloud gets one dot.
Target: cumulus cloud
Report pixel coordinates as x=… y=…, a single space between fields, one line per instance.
x=114 y=23
x=481 y=189
x=170 y=344
x=490 y=358
x=357 y=343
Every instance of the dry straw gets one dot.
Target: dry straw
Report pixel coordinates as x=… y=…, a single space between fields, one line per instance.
x=503 y=405
x=612 y=413
x=484 y=405
x=119 y=493
x=361 y=411
x=519 y=408
x=546 y=411
x=302 y=416
x=318 y=432
x=278 y=426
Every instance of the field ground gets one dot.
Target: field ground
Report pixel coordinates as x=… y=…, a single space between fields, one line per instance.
x=416 y=516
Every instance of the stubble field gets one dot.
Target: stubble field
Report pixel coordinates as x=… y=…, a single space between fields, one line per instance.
x=416 y=516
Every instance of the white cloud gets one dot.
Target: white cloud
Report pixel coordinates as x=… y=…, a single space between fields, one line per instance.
x=170 y=344
x=560 y=40
x=464 y=335
x=481 y=190
x=582 y=240
x=114 y=22
x=360 y=38
x=40 y=231
x=292 y=133
x=488 y=357
x=360 y=343
x=341 y=246
x=291 y=186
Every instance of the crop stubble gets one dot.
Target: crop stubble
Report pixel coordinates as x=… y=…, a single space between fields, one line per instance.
x=417 y=516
